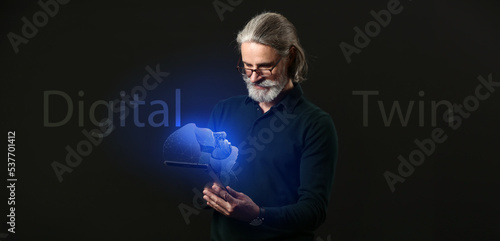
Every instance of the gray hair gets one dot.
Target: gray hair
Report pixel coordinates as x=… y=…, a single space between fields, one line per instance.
x=273 y=29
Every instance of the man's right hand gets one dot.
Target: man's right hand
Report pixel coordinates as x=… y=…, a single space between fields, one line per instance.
x=231 y=203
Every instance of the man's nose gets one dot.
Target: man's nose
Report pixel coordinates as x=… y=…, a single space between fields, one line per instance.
x=255 y=77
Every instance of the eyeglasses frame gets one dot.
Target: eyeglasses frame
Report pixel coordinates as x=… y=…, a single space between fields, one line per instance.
x=238 y=68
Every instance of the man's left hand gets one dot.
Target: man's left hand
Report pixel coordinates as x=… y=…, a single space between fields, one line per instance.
x=231 y=203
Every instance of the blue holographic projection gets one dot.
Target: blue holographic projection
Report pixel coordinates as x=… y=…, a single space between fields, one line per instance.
x=191 y=146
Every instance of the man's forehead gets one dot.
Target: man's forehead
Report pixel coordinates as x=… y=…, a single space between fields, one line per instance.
x=257 y=53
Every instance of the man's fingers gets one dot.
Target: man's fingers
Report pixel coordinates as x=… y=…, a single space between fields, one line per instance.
x=217 y=189
x=232 y=192
x=217 y=208
x=215 y=185
x=215 y=204
x=212 y=196
x=229 y=198
x=221 y=192
x=217 y=200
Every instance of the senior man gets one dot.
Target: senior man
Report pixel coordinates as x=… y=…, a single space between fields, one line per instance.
x=288 y=147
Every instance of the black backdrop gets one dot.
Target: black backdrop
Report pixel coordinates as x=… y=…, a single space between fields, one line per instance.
x=429 y=51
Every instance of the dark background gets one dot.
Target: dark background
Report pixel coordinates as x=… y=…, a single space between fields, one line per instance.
x=121 y=190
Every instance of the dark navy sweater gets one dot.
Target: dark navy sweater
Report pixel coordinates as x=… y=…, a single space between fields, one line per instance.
x=286 y=165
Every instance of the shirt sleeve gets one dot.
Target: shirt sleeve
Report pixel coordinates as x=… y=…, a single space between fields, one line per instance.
x=317 y=166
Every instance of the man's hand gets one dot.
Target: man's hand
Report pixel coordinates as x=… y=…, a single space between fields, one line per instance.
x=231 y=203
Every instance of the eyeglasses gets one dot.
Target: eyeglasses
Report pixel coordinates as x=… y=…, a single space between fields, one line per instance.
x=261 y=72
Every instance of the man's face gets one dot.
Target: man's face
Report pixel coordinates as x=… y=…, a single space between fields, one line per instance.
x=259 y=56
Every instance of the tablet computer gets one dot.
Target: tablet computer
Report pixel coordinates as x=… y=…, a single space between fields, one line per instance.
x=206 y=167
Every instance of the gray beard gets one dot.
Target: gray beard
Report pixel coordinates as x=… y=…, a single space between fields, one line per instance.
x=273 y=89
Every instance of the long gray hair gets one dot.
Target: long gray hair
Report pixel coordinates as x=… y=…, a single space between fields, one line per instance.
x=273 y=29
